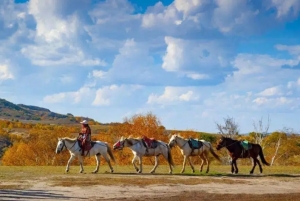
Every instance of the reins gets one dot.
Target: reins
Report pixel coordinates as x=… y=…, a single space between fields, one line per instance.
x=182 y=145
x=230 y=144
x=64 y=145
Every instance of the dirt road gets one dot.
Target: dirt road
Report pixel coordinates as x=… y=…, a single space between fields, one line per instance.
x=150 y=187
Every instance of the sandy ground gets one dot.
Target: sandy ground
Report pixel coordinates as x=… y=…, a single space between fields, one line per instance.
x=261 y=187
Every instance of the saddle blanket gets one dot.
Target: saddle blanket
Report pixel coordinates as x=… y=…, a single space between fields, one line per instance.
x=246 y=145
x=152 y=143
x=195 y=144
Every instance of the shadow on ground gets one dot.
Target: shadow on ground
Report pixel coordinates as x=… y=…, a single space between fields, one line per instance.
x=31 y=195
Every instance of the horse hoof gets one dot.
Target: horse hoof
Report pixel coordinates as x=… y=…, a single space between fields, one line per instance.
x=111 y=171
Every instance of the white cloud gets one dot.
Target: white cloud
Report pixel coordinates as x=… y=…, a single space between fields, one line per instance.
x=292 y=49
x=159 y=13
x=173 y=95
x=5 y=73
x=286 y=7
x=197 y=76
x=275 y=102
x=201 y=56
x=114 y=94
x=258 y=72
x=272 y=91
x=231 y=15
x=84 y=94
x=99 y=73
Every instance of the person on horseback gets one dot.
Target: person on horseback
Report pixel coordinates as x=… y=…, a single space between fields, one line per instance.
x=148 y=142
x=85 y=136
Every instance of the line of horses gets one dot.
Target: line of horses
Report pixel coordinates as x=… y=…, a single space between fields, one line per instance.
x=139 y=150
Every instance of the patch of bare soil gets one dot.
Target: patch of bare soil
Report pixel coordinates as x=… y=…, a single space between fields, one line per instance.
x=155 y=187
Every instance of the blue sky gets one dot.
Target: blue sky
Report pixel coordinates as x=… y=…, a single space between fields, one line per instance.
x=189 y=62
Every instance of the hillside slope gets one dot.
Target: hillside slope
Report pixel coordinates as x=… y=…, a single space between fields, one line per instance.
x=21 y=112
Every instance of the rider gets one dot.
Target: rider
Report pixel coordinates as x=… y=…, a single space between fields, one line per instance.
x=85 y=136
x=147 y=141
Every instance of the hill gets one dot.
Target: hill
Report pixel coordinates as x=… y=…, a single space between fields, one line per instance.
x=21 y=112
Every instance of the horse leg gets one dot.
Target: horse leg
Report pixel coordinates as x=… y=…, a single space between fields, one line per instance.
x=232 y=166
x=133 y=162
x=80 y=158
x=207 y=161
x=97 y=157
x=141 y=165
x=184 y=162
x=254 y=165
x=69 y=161
x=235 y=165
x=155 y=165
x=190 y=162
x=259 y=165
x=108 y=162
x=202 y=162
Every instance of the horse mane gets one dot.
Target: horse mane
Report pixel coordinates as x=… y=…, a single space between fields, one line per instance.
x=70 y=139
x=178 y=135
x=229 y=138
x=129 y=138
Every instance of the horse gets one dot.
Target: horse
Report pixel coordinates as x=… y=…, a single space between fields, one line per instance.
x=187 y=151
x=236 y=151
x=139 y=150
x=99 y=148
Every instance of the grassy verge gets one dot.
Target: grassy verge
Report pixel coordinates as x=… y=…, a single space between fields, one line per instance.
x=19 y=177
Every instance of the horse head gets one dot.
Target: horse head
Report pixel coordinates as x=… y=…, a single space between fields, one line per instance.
x=172 y=141
x=222 y=142
x=119 y=144
x=60 y=145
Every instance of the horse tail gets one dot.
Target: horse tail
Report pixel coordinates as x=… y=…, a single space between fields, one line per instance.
x=262 y=158
x=110 y=153
x=170 y=159
x=213 y=152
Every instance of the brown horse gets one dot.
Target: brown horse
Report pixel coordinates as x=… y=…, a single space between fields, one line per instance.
x=236 y=151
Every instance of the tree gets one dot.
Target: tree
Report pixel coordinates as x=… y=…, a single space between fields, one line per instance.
x=261 y=131
x=230 y=127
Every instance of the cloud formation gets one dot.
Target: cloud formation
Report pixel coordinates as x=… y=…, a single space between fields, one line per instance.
x=200 y=59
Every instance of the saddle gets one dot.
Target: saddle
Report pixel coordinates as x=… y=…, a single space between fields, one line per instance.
x=246 y=145
x=152 y=143
x=195 y=144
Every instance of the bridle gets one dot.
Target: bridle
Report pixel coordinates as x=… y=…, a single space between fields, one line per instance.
x=229 y=144
x=64 y=145
x=175 y=140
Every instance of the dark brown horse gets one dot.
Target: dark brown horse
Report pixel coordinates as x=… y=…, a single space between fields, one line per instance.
x=236 y=151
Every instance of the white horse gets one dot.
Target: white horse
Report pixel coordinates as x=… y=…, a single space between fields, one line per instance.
x=187 y=151
x=99 y=148
x=139 y=150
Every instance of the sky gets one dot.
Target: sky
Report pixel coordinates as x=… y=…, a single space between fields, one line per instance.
x=191 y=63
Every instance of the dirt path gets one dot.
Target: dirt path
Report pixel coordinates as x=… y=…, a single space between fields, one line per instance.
x=174 y=188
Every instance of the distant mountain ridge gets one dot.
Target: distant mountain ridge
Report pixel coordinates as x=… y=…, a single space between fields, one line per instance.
x=9 y=110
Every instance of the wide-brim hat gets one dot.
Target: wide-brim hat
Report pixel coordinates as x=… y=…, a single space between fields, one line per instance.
x=84 y=122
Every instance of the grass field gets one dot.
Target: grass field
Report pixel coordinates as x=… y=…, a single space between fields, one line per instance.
x=14 y=173
x=16 y=179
